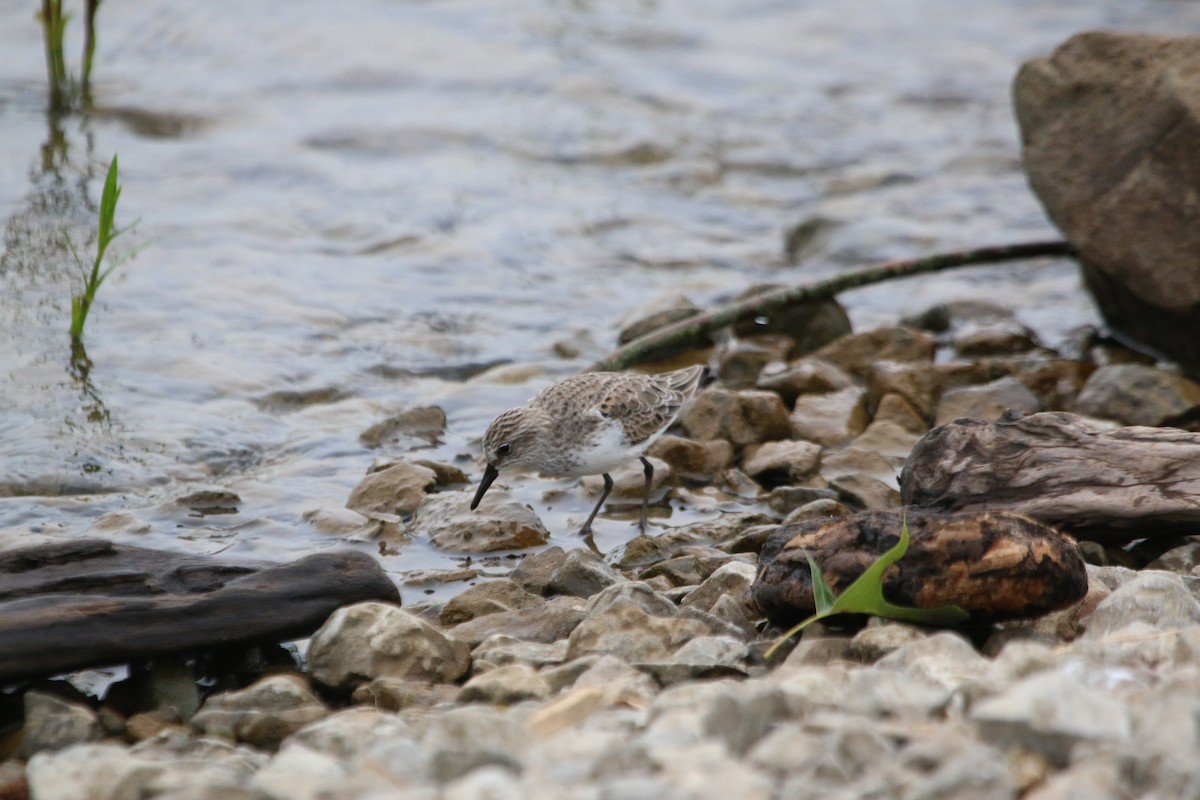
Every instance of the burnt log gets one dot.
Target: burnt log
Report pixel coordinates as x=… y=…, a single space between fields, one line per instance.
x=1102 y=484
x=995 y=565
x=89 y=602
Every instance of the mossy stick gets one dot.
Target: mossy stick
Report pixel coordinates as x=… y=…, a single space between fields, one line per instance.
x=647 y=347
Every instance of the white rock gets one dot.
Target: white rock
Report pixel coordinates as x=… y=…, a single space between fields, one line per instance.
x=371 y=640
x=732 y=578
x=511 y=683
x=262 y=714
x=466 y=738
x=1159 y=598
x=1049 y=713
x=52 y=723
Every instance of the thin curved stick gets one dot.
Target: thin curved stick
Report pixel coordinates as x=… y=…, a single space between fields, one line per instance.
x=649 y=346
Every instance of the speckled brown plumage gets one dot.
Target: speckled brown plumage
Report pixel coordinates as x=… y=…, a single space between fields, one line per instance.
x=588 y=424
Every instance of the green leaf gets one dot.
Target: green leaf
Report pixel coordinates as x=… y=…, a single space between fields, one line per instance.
x=865 y=596
x=823 y=597
x=106 y=231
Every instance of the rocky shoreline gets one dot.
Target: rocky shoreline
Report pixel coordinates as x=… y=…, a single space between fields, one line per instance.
x=642 y=673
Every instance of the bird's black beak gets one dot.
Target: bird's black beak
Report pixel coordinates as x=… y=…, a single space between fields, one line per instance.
x=489 y=475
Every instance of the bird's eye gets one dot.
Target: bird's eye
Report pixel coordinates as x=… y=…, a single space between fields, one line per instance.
x=503 y=449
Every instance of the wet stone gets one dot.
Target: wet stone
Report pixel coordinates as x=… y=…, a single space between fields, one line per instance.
x=993 y=338
x=922 y=385
x=741 y=361
x=397 y=489
x=895 y=409
x=782 y=463
x=692 y=459
x=824 y=508
x=337 y=521
x=546 y=623
x=445 y=474
x=1134 y=394
x=987 y=402
x=807 y=376
x=423 y=425
x=582 y=574
x=857 y=352
x=830 y=419
x=888 y=440
x=811 y=324
x=490 y=597
x=742 y=418
x=785 y=499
x=659 y=313
x=679 y=571
x=535 y=569
x=500 y=523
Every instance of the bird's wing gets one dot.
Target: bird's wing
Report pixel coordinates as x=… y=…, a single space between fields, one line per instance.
x=647 y=405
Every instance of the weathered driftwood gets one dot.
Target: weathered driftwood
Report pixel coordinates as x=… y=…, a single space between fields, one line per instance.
x=1108 y=485
x=996 y=566
x=90 y=602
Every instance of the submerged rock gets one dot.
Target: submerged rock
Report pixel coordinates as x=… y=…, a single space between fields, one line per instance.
x=500 y=523
x=395 y=489
x=422 y=425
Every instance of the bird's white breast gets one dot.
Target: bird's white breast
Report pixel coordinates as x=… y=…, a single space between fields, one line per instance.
x=603 y=451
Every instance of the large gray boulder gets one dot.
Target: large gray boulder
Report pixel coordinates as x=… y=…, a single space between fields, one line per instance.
x=1110 y=124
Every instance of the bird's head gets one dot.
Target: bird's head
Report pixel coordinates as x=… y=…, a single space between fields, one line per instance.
x=510 y=441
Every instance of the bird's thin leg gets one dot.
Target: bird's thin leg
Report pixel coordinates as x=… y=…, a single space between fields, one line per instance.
x=586 y=530
x=648 y=471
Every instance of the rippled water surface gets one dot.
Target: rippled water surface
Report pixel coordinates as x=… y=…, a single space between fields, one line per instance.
x=345 y=210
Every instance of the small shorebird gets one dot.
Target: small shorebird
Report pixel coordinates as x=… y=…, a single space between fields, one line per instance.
x=588 y=424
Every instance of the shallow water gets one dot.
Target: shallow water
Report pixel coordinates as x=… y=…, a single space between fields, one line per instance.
x=367 y=206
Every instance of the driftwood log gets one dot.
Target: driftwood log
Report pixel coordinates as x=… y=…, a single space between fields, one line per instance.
x=90 y=602
x=996 y=566
x=1106 y=485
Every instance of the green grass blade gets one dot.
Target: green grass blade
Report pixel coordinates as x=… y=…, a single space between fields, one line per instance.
x=108 y=207
x=823 y=597
x=865 y=596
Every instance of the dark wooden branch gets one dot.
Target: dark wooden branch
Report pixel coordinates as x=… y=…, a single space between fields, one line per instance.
x=649 y=346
